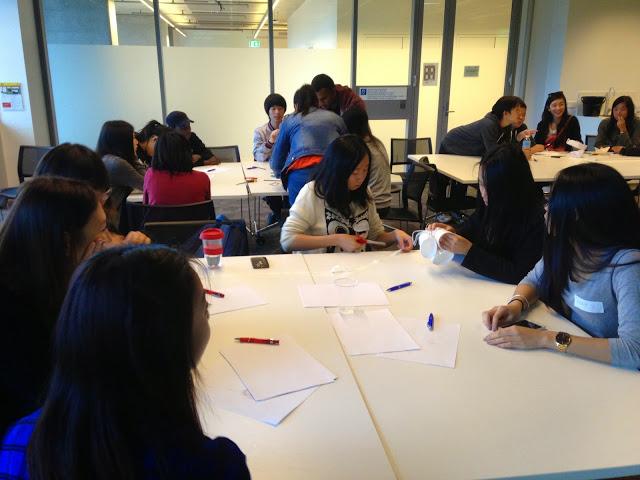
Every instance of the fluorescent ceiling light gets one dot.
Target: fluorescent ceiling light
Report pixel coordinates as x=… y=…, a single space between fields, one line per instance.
x=264 y=19
x=144 y=2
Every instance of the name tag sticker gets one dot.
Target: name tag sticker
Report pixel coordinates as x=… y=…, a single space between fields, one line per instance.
x=587 y=305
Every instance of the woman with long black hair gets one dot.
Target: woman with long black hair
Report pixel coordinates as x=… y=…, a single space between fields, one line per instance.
x=622 y=128
x=556 y=125
x=117 y=146
x=334 y=211
x=589 y=272
x=54 y=224
x=147 y=138
x=502 y=239
x=122 y=400
x=357 y=122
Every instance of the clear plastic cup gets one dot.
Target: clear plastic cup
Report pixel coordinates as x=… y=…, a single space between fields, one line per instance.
x=429 y=241
x=212 y=246
x=343 y=277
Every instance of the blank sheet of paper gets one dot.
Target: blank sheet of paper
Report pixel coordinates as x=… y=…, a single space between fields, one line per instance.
x=271 y=370
x=235 y=298
x=438 y=347
x=367 y=332
x=227 y=391
x=329 y=295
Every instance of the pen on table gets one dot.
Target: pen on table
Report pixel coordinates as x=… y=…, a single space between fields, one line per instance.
x=214 y=293
x=263 y=341
x=211 y=170
x=254 y=166
x=430 y=322
x=398 y=287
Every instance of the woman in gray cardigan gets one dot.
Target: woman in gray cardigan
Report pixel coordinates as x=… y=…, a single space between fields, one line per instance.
x=117 y=146
x=589 y=272
x=622 y=129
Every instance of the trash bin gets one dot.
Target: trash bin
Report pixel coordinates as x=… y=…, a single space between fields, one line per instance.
x=591 y=106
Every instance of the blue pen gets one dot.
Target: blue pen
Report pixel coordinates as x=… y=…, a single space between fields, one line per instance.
x=398 y=287
x=430 y=322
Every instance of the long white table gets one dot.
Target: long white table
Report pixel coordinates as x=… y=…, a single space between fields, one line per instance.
x=544 y=168
x=498 y=414
x=331 y=434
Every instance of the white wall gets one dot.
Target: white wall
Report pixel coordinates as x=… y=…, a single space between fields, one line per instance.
x=314 y=24
x=546 y=54
x=222 y=90
x=96 y=83
x=601 y=49
x=19 y=63
x=582 y=47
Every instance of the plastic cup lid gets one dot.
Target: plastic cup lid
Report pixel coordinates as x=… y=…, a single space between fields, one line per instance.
x=211 y=234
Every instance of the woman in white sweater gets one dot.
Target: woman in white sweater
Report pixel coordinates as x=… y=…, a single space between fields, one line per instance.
x=335 y=212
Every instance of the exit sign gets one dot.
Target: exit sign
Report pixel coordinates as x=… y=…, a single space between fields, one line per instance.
x=254 y=43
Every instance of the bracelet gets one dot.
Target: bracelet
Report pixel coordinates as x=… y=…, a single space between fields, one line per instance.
x=522 y=299
x=517 y=300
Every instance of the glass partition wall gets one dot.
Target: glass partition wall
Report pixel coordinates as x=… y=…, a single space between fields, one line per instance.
x=103 y=60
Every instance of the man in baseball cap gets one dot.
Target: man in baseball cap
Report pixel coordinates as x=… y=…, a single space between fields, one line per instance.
x=181 y=123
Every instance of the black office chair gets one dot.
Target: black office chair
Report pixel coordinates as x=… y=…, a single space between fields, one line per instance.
x=401 y=147
x=590 y=141
x=139 y=214
x=181 y=235
x=229 y=153
x=28 y=158
x=413 y=185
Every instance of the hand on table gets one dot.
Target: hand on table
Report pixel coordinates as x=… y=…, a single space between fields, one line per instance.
x=500 y=315
x=520 y=338
x=452 y=242
x=616 y=149
x=212 y=161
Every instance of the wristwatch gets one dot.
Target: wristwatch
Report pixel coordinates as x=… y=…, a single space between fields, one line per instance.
x=563 y=340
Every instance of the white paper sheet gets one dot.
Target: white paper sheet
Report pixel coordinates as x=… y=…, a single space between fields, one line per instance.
x=272 y=370
x=235 y=298
x=438 y=347
x=329 y=295
x=375 y=331
x=226 y=391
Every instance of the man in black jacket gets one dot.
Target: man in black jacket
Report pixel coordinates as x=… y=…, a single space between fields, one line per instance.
x=476 y=138
x=200 y=154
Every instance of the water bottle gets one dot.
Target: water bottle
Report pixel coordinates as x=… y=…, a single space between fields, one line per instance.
x=526 y=143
